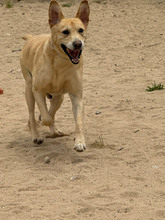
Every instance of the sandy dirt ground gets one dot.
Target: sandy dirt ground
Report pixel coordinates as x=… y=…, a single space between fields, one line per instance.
x=121 y=175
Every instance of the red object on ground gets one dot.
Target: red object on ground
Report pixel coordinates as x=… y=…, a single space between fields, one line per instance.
x=1 y=91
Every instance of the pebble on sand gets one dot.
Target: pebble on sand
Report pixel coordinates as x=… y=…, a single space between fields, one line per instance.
x=47 y=160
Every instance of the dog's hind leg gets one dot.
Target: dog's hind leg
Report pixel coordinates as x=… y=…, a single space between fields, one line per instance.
x=31 y=108
x=55 y=103
x=32 y=121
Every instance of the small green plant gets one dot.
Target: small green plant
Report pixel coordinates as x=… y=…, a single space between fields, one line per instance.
x=155 y=87
x=9 y=4
x=67 y=5
x=98 y=143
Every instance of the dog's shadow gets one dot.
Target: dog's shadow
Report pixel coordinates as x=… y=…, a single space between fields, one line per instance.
x=59 y=150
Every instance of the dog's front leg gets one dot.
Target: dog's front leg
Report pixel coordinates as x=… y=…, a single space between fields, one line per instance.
x=40 y=98
x=78 y=111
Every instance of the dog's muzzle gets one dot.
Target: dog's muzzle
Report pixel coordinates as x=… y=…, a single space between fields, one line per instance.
x=74 y=55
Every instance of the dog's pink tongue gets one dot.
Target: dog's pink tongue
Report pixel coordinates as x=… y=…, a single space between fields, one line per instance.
x=75 y=55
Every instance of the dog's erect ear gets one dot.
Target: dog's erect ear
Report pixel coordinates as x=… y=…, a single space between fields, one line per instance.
x=83 y=12
x=55 y=14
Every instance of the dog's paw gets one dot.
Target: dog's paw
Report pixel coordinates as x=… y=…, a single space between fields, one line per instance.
x=80 y=147
x=80 y=144
x=38 y=140
x=56 y=134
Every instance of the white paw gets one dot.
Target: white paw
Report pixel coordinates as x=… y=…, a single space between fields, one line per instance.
x=55 y=134
x=80 y=145
x=58 y=132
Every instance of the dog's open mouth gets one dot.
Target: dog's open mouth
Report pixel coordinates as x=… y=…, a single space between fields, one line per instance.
x=74 y=55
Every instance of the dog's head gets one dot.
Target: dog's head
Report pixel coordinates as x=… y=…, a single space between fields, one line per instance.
x=68 y=34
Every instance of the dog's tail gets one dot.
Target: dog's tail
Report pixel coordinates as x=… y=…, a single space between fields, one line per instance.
x=27 y=36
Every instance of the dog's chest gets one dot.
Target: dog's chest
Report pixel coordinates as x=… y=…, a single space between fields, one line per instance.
x=56 y=83
x=57 y=79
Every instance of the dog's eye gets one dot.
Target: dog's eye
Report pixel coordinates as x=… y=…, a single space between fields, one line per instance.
x=66 y=32
x=81 y=30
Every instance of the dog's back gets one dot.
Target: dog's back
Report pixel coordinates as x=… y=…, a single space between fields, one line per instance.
x=33 y=48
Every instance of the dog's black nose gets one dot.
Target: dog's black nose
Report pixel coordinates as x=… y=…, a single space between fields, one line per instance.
x=77 y=44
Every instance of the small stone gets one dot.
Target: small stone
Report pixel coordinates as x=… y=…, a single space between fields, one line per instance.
x=155 y=167
x=98 y=112
x=47 y=160
x=72 y=178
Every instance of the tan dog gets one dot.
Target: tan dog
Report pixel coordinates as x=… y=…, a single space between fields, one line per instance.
x=52 y=65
